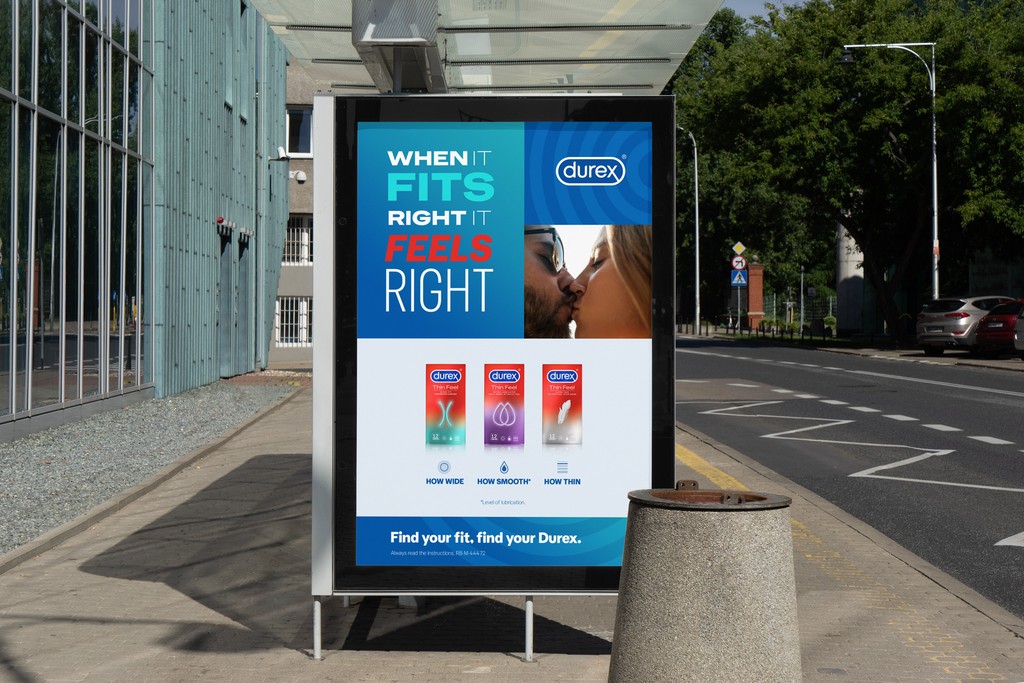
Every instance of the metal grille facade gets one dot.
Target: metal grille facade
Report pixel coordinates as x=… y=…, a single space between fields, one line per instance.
x=128 y=126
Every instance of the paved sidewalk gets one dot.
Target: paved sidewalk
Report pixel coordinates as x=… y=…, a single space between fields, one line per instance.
x=206 y=577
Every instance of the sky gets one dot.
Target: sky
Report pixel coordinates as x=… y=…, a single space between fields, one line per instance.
x=745 y=8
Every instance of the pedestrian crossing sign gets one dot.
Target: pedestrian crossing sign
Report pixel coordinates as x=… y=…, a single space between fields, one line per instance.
x=739 y=278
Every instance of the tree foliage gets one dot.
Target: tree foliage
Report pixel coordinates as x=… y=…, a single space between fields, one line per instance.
x=792 y=144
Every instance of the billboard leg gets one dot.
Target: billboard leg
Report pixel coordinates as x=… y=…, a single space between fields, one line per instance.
x=317 y=604
x=529 y=628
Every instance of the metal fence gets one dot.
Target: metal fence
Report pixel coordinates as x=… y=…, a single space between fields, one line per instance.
x=784 y=310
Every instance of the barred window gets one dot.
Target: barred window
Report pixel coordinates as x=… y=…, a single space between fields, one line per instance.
x=293 y=321
x=298 y=241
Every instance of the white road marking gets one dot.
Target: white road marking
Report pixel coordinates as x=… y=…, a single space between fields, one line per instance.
x=901 y=418
x=829 y=367
x=943 y=428
x=745 y=386
x=952 y=385
x=903 y=378
x=992 y=440
x=1016 y=539
x=694 y=381
x=729 y=412
x=810 y=365
x=874 y=472
x=806 y=396
x=834 y=402
x=870 y=473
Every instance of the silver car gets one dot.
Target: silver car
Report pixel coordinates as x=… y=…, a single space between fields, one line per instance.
x=952 y=322
x=1018 y=335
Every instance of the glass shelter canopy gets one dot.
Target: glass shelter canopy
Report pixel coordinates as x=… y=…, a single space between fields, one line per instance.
x=489 y=46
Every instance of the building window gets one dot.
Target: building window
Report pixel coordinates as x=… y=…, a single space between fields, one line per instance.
x=293 y=321
x=300 y=130
x=298 y=242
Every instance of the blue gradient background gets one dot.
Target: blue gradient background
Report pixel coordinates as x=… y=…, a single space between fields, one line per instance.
x=504 y=286
x=601 y=547
x=550 y=202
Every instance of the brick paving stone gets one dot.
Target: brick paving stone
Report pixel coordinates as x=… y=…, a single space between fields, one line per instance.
x=207 y=578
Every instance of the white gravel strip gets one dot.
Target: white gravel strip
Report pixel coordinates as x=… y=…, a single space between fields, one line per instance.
x=49 y=478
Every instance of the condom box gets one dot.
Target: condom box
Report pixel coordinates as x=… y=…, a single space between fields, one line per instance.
x=446 y=404
x=504 y=403
x=562 y=404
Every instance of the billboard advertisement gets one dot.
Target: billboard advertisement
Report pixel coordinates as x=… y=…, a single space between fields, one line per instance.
x=503 y=317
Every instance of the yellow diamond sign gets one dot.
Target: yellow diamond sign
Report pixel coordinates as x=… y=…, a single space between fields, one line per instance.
x=739 y=248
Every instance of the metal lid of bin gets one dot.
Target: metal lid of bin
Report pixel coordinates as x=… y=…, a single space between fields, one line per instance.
x=709 y=500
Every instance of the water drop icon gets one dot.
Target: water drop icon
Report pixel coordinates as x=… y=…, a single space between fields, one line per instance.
x=504 y=468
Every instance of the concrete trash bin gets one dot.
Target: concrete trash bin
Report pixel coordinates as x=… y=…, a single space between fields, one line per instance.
x=707 y=591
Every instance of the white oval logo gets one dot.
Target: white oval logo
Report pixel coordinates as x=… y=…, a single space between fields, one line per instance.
x=590 y=171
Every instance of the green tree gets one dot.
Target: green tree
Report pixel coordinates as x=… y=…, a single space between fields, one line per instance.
x=795 y=144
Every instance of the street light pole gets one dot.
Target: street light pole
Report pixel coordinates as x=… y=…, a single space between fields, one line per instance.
x=696 y=239
x=696 y=236
x=847 y=58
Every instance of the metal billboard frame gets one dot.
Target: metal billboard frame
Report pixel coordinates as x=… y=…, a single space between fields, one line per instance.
x=334 y=379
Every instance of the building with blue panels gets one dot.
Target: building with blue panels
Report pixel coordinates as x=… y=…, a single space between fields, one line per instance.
x=141 y=213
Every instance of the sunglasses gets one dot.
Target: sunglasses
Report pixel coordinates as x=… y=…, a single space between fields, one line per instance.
x=557 y=248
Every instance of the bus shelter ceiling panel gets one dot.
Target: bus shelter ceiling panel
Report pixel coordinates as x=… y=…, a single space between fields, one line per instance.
x=495 y=44
x=553 y=12
x=305 y=12
x=580 y=46
x=598 y=77
x=323 y=45
x=327 y=75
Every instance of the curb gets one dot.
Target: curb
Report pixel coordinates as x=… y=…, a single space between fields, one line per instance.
x=55 y=537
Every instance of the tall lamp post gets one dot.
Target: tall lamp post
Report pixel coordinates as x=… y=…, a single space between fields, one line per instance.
x=847 y=58
x=696 y=238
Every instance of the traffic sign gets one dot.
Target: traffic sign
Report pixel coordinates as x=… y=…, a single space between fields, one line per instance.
x=739 y=263
x=739 y=278
x=738 y=248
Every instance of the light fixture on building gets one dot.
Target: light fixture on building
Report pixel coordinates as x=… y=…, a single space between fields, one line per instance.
x=224 y=226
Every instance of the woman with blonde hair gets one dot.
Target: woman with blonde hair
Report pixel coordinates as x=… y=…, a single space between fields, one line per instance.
x=613 y=292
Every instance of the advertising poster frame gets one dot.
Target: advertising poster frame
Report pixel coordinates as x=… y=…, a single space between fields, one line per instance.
x=349 y=420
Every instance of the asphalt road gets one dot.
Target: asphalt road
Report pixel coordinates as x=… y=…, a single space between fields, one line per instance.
x=931 y=454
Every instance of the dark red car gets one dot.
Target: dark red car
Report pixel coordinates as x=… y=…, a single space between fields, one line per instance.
x=995 y=331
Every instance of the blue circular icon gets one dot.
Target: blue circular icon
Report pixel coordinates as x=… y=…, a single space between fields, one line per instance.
x=444 y=466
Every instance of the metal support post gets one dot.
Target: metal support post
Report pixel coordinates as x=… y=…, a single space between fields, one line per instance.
x=316 y=628
x=529 y=628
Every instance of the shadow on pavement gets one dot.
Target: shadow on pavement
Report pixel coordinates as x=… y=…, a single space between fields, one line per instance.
x=457 y=624
x=241 y=548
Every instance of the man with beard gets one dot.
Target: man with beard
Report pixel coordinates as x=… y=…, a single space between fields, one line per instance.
x=547 y=301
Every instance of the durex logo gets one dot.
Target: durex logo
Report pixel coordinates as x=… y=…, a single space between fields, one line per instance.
x=504 y=375
x=562 y=376
x=589 y=171
x=445 y=376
